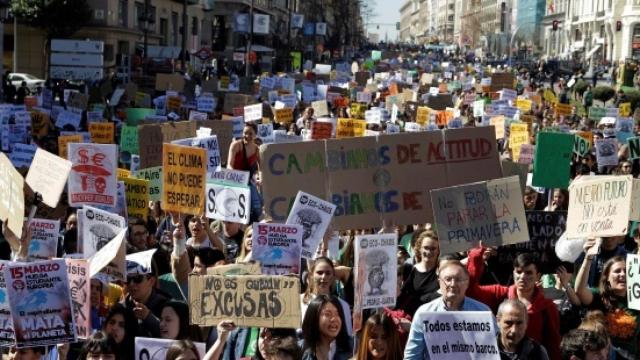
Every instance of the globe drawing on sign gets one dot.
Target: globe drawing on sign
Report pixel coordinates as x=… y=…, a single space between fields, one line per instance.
x=376 y=261
x=33 y=301
x=227 y=202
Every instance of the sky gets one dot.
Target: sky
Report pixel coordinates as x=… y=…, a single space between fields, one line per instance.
x=388 y=12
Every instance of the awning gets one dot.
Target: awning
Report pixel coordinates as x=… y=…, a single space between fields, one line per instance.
x=592 y=51
x=256 y=48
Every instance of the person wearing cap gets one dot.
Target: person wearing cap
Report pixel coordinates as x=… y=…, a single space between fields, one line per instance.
x=143 y=298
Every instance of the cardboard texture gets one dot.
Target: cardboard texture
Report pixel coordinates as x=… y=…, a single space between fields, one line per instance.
x=169 y=82
x=152 y=136
x=501 y=81
x=232 y=101
x=11 y=196
x=184 y=174
x=276 y=300
x=394 y=172
x=48 y=176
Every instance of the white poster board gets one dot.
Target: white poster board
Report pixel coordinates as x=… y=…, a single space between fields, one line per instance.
x=314 y=214
x=277 y=247
x=376 y=269
x=228 y=202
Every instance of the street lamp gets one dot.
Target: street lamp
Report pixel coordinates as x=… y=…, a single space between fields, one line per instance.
x=146 y=19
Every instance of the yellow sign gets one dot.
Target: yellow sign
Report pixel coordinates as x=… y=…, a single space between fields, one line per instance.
x=63 y=142
x=498 y=122
x=174 y=103
x=563 y=109
x=422 y=115
x=518 y=136
x=358 y=110
x=184 y=178
x=102 y=133
x=524 y=105
x=284 y=115
x=350 y=128
x=123 y=173
x=137 y=195
x=549 y=96
x=625 y=109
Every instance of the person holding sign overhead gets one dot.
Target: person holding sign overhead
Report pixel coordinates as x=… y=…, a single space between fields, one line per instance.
x=611 y=298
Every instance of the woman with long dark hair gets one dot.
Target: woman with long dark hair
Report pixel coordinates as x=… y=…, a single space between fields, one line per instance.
x=379 y=339
x=122 y=325
x=324 y=330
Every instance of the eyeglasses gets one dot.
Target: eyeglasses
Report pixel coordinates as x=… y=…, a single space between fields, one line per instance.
x=136 y=279
x=451 y=280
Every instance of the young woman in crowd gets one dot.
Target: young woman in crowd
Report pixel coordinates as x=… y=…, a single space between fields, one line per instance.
x=101 y=346
x=379 y=340
x=324 y=330
x=174 y=321
x=611 y=298
x=182 y=350
x=121 y=325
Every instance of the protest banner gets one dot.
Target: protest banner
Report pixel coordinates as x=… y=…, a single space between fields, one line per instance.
x=634 y=147
x=44 y=239
x=552 y=163
x=40 y=123
x=350 y=128
x=92 y=179
x=478 y=108
x=277 y=247
x=102 y=133
x=231 y=177
x=261 y=300
x=154 y=176
x=488 y=211
x=455 y=335
x=111 y=258
x=22 y=155
x=80 y=290
x=156 y=349
x=228 y=202
x=582 y=143
x=7 y=335
x=129 y=139
x=393 y=163
x=422 y=115
x=314 y=214
x=252 y=268
x=265 y=133
x=633 y=281
x=563 y=109
x=545 y=228
x=607 y=151
x=96 y=228
x=321 y=130
x=284 y=115
x=599 y=206
x=209 y=143
x=320 y=108
x=137 y=195
x=502 y=80
x=625 y=109
x=152 y=136
x=375 y=270
x=40 y=303
x=64 y=141
x=524 y=104
x=498 y=123
x=11 y=196
x=518 y=136
x=48 y=176
x=184 y=176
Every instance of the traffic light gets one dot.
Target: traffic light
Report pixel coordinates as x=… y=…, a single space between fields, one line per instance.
x=618 y=25
x=555 y=25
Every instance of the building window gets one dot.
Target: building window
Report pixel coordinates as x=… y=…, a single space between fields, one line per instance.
x=174 y=29
x=194 y=26
x=138 y=12
x=164 y=31
x=122 y=13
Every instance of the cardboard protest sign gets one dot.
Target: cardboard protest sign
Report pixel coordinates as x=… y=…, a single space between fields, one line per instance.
x=277 y=247
x=102 y=133
x=563 y=109
x=156 y=349
x=599 y=206
x=633 y=281
x=350 y=127
x=232 y=101
x=625 y=109
x=169 y=82
x=137 y=195
x=375 y=270
x=265 y=133
x=422 y=115
x=231 y=177
x=320 y=108
x=40 y=303
x=582 y=143
x=498 y=123
x=152 y=136
x=64 y=141
x=184 y=178
x=634 y=147
x=454 y=335
x=111 y=258
x=44 y=238
x=263 y=300
x=154 y=177
x=524 y=104
x=502 y=80
x=607 y=152
x=11 y=196
x=92 y=179
x=80 y=290
x=321 y=130
x=252 y=268
x=97 y=227
x=552 y=163
x=489 y=211
x=129 y=139
x=123 y=173
x=518 y=136
x=7 y=335
x=314 y=214
x=209 y=143
x=253 y=112
x=597 y=113
x=40 y=123
x=22 y=155
x=136 y=115
x=284 y=115
x=228 y=202
x=394 y=163
x=545 y=228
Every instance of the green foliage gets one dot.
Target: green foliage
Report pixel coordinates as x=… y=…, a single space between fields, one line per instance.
x=633 y=96
x=580 y=87
x=58 y=18
x=603 y=93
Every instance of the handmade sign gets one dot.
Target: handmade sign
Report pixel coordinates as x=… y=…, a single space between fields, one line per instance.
x=488 y=211
x=634 y=147
x=80 y=290
x=156 y=349
x=263 y=300
x=314 y=214
x=184 y=178
x=350 y=128
x=92 y=179
x=393 y=163
x=11 y=196
x=453 y=335
x=320 y=108
x=582 y=143
x=102 y=132
x=7 y=335
x=40 y=303
x=228 y=202
x=154 y=177
x=599 y=206
x=129 y=139
x=137 y=195
x=375 y=270
x=552 y=164
x=321 y=130
x=44 y=239
x=607 y=151
x=111 y=258
x=209 y=143
x=97 y=227
x=64 y=141
x=633 y=281
x=277 y=247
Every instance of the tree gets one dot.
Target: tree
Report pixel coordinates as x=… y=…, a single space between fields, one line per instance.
x=58 y=18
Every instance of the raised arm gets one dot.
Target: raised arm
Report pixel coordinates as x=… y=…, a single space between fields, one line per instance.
x=591 y=248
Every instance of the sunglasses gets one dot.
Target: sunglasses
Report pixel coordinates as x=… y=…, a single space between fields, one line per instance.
x=136 y=279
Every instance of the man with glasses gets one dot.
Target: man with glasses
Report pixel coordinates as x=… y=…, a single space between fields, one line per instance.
x=143 y=298
x=454 y=280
